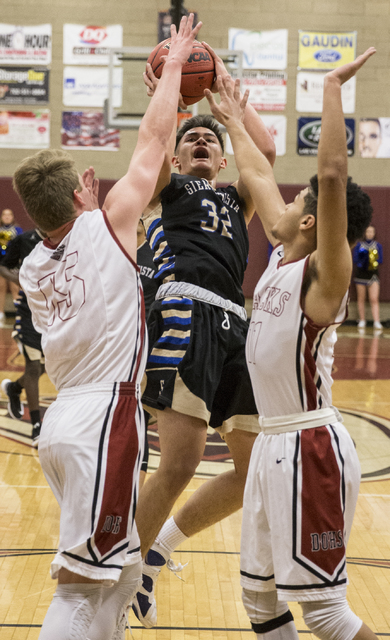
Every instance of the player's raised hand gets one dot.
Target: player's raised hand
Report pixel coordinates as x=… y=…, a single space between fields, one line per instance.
x=151 y=84
x=181 y=41
x=92 y=184
x=232 y=105
x=220 y=69
x=347 y=71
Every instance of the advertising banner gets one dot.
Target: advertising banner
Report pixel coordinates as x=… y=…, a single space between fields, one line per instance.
x=85 y=44
x=277 y=126
x=25 y=45
x=374 y=137
x=262 y=49
x=309 y=130
x=310 y=91
x=267 y=89
x=25 y=129
x=88 y=86
x=24 y=85
x=325 y=50
x=86 y=130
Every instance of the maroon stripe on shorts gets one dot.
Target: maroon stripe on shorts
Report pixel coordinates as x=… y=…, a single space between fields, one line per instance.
x=122 y=454
x=322 y=539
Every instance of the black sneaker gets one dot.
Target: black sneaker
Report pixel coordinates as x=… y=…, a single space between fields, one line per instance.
x=15 y=406
x=36 y=432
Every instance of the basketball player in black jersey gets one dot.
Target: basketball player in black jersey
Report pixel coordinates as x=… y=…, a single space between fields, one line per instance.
x=28 y=340
x=196 y=371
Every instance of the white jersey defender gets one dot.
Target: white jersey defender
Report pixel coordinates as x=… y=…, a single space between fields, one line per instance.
x=302 y=446
x=86 y=299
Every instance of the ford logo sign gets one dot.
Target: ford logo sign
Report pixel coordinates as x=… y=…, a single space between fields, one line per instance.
x=327 y=55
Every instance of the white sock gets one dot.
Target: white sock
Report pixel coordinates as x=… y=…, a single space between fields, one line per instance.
x=71 y=611
x=170 y=536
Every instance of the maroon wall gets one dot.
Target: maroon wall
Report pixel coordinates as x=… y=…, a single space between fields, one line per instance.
x=258 y=246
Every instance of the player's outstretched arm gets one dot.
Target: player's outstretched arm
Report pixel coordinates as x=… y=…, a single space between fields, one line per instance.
x=255 y=170
x=252 y=121
x=130 y=195
x=332 y=259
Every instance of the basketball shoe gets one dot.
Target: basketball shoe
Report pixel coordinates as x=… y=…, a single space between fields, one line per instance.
x=14 y=406
x=144 y=603
x=36 y=432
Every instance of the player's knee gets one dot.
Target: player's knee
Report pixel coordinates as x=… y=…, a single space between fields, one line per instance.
x=331 y=619
x=180 y=471
x=265 y=611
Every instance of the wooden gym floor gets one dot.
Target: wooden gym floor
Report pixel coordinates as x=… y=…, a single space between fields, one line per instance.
x=207 y=602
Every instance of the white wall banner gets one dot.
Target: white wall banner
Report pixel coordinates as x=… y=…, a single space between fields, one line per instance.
x=277 y=126
x=88 y=86
x=262 y=49
x=267 y=89
x=25 y=45
x=310 y=90
x=85 y=44
x=25 y=129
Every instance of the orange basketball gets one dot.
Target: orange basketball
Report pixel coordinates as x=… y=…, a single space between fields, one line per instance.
x=197 y=74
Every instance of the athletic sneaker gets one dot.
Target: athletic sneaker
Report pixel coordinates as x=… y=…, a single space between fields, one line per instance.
x=144 y=603
x=15 y=406
x=361 y=324
x=378 y=326
x=36 y=432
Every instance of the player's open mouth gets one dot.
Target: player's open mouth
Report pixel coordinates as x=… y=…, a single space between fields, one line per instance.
x=201 y=152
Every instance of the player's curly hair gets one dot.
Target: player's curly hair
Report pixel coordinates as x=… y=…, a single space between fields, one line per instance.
x=45 y=183
x=359 y=208
x=206 y=121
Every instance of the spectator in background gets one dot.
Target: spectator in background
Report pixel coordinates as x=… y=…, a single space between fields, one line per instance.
x=368 y=255
x=8 y=231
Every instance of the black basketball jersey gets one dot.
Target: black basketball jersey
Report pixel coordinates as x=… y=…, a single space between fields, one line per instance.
x=198 y=235
x=147 y=271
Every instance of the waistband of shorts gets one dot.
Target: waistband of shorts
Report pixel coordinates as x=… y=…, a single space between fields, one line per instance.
x=122 y=388
x=200 y=294
x=298 y=421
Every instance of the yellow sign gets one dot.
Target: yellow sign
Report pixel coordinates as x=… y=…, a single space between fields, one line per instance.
x=326 y=50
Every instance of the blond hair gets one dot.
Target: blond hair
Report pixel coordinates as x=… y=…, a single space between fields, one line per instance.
x=45 y=182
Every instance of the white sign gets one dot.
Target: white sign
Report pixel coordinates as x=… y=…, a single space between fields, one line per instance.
x=88 y=86
x=267 y=89
x=25 y=129
x=374 y=137
x=310 y=90
x=277 y=126
x=85 y=44
x=262 y=49
x=25 y=45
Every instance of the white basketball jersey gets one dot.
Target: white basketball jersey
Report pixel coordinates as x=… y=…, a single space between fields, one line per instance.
x=86 y=300
x=289 y=357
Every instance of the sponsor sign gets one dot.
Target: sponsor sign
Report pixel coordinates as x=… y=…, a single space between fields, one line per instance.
x=24 y=85
x=25 y=129
x=309 y=130
x=262 y=49
x=326 y=50
x=310 y=91
x=87 y=44
x=374 y=138
x=277 y=126
x=86 y=130
x=25 y=45
x=88 y=86
x=267 y=89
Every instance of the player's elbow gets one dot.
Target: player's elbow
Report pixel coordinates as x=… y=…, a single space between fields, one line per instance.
x=334 y=175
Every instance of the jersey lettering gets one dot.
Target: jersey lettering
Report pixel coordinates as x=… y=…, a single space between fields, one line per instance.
x=215 y=218
x=326 y=540
x=64 y=292
x=270 y=301
x=112 y=524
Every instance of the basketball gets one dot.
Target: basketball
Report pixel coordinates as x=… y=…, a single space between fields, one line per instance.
x=197 y=73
